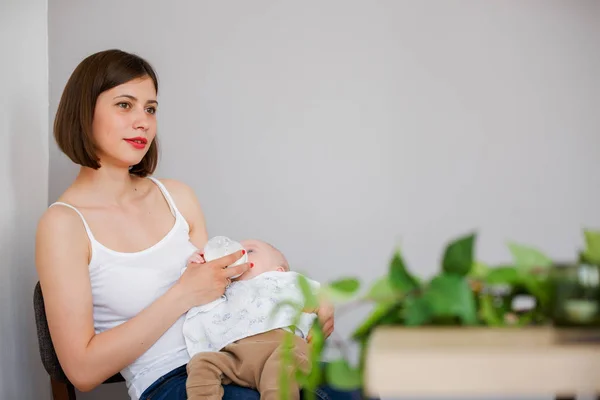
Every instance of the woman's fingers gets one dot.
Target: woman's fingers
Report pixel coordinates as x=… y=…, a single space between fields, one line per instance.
x=237 y=270
x=228 y=259
x=328 y=328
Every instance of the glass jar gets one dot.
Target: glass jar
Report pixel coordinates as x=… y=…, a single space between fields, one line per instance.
x=575 y=295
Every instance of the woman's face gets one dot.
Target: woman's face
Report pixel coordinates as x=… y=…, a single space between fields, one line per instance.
x=124 y=122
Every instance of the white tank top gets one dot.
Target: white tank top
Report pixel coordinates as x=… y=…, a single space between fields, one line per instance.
x=123 y=284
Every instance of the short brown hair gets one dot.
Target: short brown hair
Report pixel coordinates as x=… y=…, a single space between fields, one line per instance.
x=73 y=123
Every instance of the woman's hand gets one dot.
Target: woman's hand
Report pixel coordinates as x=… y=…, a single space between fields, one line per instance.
x=203 y=282
x=325 y=314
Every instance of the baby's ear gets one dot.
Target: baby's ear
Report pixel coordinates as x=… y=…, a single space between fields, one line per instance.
x=280 y=269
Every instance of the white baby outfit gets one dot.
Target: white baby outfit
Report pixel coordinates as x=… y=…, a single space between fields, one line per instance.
x=245 y=310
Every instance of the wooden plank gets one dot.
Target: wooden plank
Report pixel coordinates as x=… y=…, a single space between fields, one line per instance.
x=481 y=361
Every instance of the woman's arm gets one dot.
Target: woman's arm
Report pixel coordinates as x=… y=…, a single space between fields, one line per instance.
x=62 y=256
x=88 y=359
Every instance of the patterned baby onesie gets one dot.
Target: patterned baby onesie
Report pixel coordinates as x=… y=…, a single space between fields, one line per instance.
x=246 y=309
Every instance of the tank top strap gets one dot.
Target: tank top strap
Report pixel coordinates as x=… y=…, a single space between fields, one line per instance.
x=85 y=224
x=167 y=196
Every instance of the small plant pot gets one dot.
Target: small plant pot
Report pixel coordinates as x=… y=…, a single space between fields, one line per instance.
x=575 y=295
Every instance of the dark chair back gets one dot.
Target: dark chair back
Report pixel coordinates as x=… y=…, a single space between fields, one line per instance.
x=47 y=353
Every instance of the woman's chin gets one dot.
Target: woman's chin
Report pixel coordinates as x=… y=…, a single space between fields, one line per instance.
x=121 y=161
x=131 y=161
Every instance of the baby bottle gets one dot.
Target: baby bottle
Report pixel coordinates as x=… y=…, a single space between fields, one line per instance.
x=220 y=246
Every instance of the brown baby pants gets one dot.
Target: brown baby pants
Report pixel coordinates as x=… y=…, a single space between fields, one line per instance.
x=253 y=362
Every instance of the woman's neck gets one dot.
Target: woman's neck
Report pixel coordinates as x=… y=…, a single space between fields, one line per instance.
x=108 y=185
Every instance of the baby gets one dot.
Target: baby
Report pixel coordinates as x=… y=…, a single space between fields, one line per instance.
x=236 y=339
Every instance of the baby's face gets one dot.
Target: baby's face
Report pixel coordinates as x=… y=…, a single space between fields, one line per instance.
x=264 y=257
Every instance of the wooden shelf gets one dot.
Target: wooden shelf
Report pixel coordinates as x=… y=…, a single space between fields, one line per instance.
x=482 y=361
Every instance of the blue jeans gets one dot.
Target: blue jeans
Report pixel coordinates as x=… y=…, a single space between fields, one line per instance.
x=171 y=386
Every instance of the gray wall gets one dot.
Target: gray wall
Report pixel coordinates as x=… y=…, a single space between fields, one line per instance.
x=339 y=129
x=24 y=190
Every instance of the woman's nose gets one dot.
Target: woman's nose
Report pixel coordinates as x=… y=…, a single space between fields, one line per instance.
x=142 y=120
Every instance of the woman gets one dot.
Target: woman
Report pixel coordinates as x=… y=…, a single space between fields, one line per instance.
x=110 y=252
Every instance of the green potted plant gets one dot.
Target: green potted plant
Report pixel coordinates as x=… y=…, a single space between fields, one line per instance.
x=465 y=292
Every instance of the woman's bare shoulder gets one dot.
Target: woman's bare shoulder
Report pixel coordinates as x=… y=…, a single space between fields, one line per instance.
x=182 y=193
x=60 y=224
x=189 y=206
x=174 y=184
x=59 y=216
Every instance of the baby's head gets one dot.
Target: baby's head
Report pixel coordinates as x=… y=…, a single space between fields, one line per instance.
x=265 y=257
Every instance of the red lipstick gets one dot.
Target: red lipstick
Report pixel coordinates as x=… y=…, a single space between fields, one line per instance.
x=137 y=142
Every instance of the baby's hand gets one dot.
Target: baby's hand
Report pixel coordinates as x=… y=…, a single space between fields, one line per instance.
x=197 y=258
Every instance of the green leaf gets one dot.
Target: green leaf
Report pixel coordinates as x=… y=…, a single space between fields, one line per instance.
x=417 y=312
x=340 y=375
x=394 y=317
x=287 y=303
x=341 y=290
x=310 y=299
x=400 y=279
x=503 y=275
x=458 y=257
x=540 y=289
x=380 y=311
x=346 y=285
x=488 y=312
x=317 y=343
x=592 y=246
x=382 y=291
x=449 y=295
x=585 y=259
x=479 y=270
x=527 y=258
x=363 y=349
x=525 y=319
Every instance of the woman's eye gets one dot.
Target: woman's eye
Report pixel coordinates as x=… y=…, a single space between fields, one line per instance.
x=123 y=105
x=151 y=110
